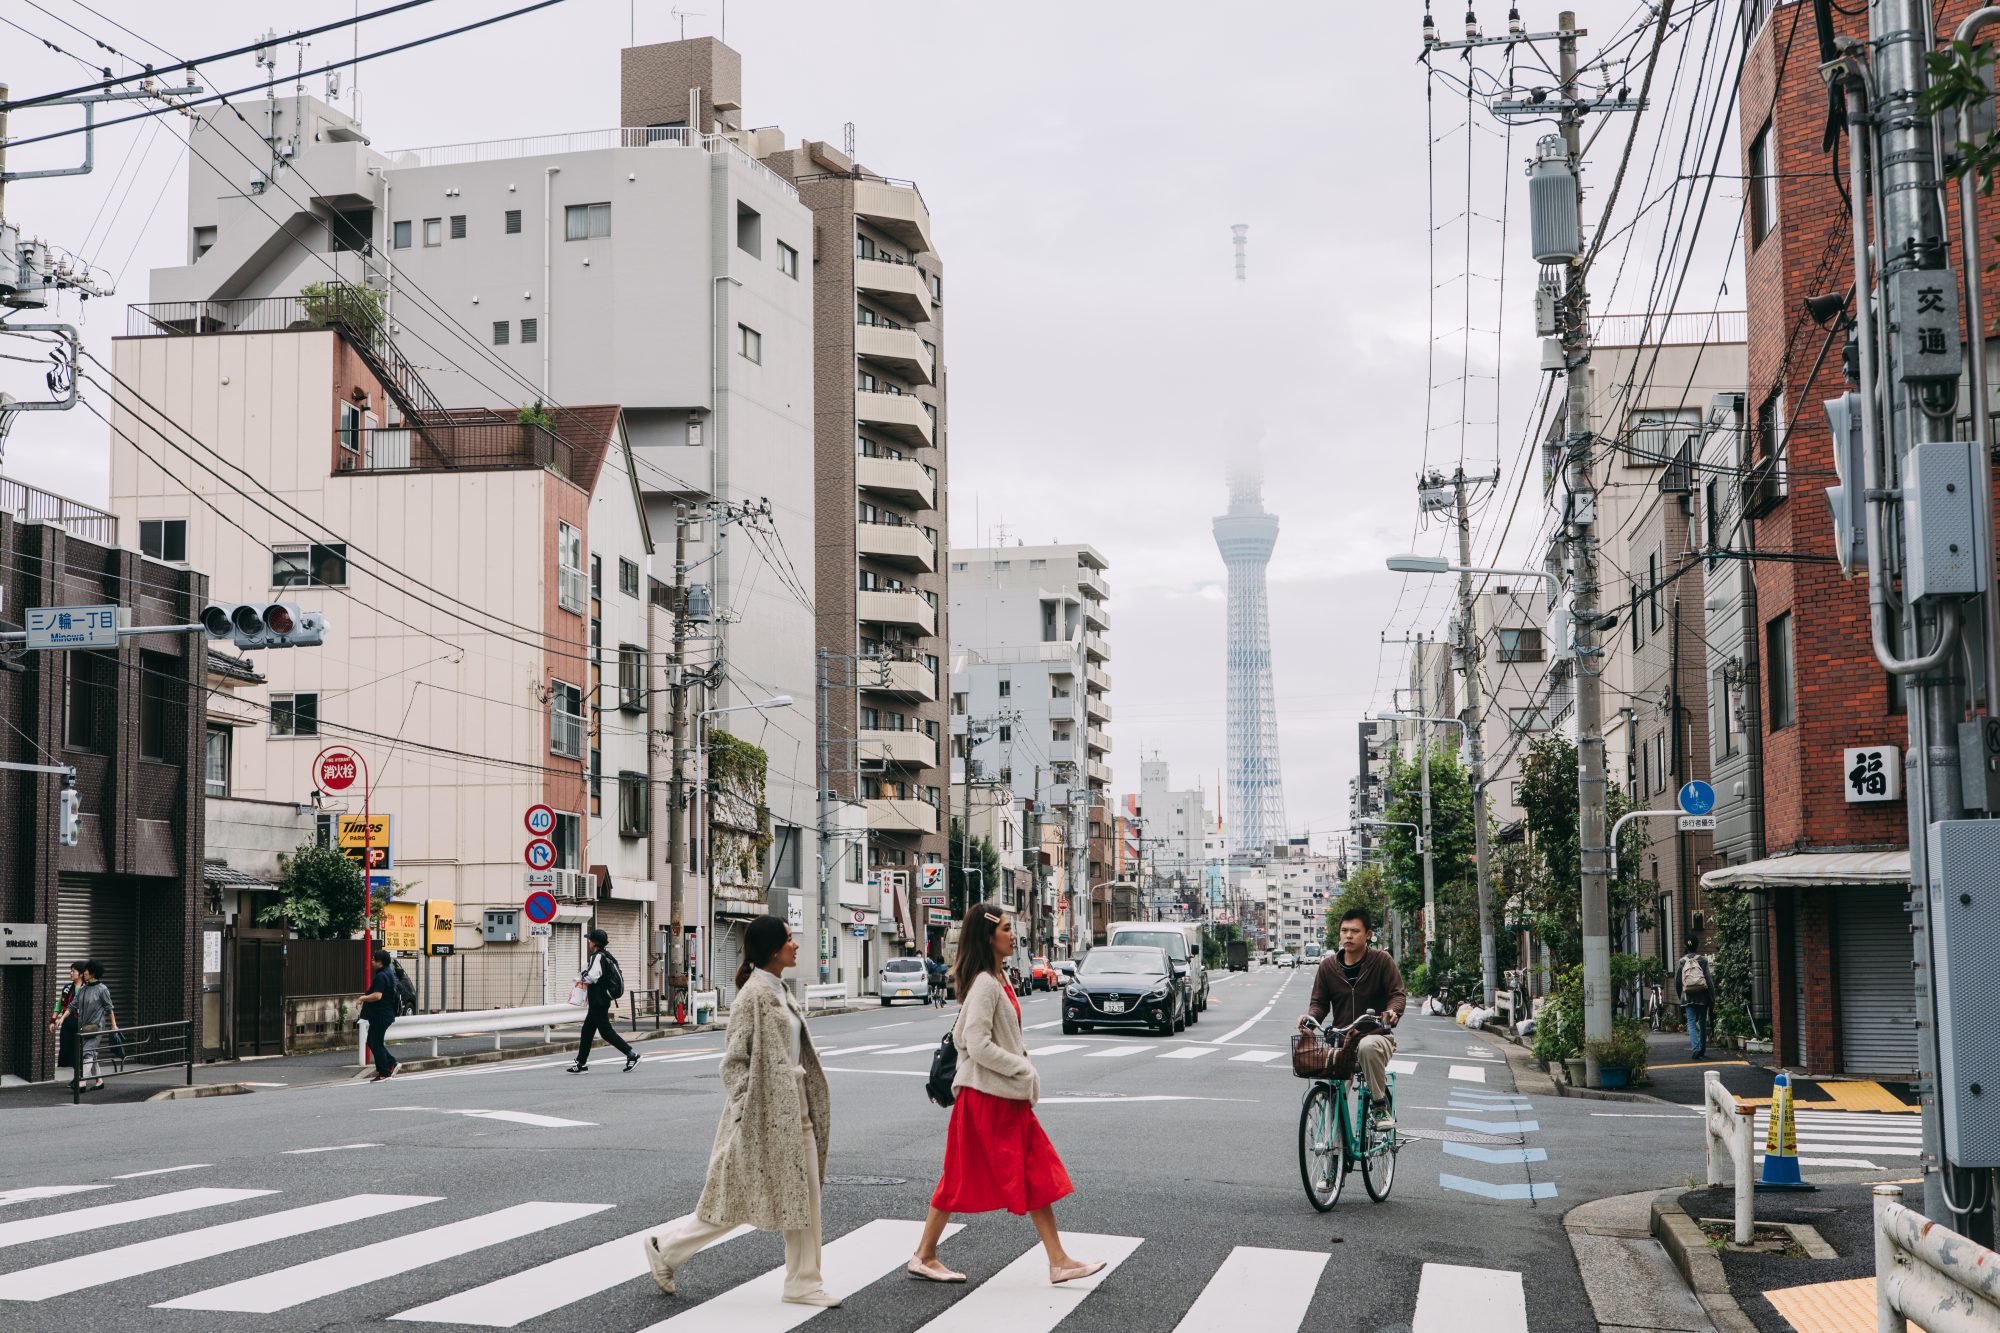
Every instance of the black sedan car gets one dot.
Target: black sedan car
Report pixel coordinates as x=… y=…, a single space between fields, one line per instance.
x=1123 y=986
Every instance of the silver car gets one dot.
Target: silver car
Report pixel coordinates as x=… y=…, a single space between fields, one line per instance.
x=904 y=979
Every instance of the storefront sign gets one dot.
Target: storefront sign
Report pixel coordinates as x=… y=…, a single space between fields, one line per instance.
x=23 y=945
x=438 y=920
x=1874 y=773
x=402 y=927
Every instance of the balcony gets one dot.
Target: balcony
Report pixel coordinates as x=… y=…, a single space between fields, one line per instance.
x=897 y=543
x=897 y=286
x=901 y=479
x=1100 y=774
x=900 y=351
x=1091 y=583
x=913 y=679
x=898 y=209
x=1096 y=616
x=898 y=747
x=902 y=817
x=1063 y=752
x=1097 y=708
x=1099 y=743
x=896 y=608
x=1063 y=709
x=1099 y=678
x=1094 y=647
x=900 y=416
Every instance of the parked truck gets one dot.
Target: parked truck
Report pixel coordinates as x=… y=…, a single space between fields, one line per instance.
x=1238 y=952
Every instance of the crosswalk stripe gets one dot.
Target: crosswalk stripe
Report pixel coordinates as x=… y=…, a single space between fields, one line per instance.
x=1258 y=1058
x=907 y=1050
x=300 y=1283
x=1859 y=1145
x=28 y=1193
x=861 y=1257
x=1450 y=1298
x=1270 y=1290
x=1188 y=1053
x=1467 y=1073
x=1404 y=1067
x=853 y=1050
x=1019 y=1299
x=1534 y=1189
x=1037 y=1027
x=1056 y=1049
x=522 y=1296
x=1113 y=1052
x=115 y=1214
x=150 y=1256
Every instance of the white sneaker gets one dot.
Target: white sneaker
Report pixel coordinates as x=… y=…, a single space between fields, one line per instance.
x=656 y=1260
x=819 y=1296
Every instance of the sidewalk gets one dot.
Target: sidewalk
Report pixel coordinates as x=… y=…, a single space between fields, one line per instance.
x=1675 y=1075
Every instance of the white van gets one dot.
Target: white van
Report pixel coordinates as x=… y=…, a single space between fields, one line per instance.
x=1182 y=941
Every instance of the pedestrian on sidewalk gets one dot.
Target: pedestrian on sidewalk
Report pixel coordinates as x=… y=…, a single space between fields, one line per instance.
x=995 y=1153
x=1696 y=985
x=95 y=1014
x=602 y=983
x=64 y=1017
x=378 y=1011
x=769 y=1157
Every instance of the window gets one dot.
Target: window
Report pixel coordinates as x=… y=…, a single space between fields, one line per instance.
x=215 y=772
x=161 y=699
x=567 y=835
x=633 y=807
x=864 y=316
x=1657 y=434
x=433 y=233
x=458 y=226
x=631 y=678
x=596 y=781
x=749 y=230
x=1778 y=670
x=1653 y=620
x=581 y=222
x=1038 y=564
x=1520 y=645
x=1632 y=614
x=750 y=343
x=164 y=538
x=871 y=719
x=499 y=333
x=863 y=247
x=531 y=330
x=320 y=565
x=1767 y=481
x=1006 y=735
x=788 y=260
x=350 y=427
x=1762 y=187
x=90 y=700
x=1711 y=517
x=569 y=568
x=402 y=235
x=1006 y=689
x=1529 y=719
x=596 y=574
x=352 y=231
x=565 y=720
x=628 y=577
x=512 y=225
x=295 y=715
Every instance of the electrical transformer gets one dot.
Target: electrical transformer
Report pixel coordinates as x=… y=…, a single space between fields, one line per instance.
x=1553 y=226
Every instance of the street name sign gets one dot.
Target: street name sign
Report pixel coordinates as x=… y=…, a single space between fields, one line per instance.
x=73 y=626
x=23 y=944
x=1697 y=798
x=1697 y=823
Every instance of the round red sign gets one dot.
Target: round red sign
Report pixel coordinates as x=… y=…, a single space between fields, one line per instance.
x=338 y=770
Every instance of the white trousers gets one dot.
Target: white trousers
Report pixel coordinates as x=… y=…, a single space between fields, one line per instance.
x=802 y=1273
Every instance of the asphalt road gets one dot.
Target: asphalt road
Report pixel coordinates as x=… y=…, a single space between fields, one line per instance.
x=344 y=1206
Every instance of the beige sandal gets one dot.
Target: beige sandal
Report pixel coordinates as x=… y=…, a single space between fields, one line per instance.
x=932 y=1271
x=1077 y=1271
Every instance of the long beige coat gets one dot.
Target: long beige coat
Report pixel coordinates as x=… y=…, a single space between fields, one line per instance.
x=992 y=1056
x=757 y=1168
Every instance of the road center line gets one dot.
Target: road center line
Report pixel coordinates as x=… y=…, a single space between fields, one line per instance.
x=163 y=1171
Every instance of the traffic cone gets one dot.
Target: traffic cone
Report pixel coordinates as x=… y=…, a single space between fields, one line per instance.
x=1781 y=1142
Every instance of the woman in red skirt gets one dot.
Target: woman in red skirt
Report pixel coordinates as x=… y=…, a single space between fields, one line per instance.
x=995 y=1154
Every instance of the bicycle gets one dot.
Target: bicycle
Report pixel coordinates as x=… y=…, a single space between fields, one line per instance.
x=1336 y=1126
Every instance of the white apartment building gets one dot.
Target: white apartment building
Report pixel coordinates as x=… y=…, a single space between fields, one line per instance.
x=1174 y=826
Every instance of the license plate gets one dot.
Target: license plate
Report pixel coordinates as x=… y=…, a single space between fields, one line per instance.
x=902 y=992
x=1114 y=1006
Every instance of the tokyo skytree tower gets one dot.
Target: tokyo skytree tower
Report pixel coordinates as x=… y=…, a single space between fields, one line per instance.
x=1245 y=536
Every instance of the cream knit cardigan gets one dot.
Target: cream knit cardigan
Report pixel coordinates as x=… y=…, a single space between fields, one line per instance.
x=992 y=1056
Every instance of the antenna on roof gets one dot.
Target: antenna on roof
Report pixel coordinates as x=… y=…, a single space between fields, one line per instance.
x=847 y=140
x=684 y=15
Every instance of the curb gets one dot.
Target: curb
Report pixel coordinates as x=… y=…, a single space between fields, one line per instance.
x=1529 y=1077
x=200 y=1090
x=1700 y=1267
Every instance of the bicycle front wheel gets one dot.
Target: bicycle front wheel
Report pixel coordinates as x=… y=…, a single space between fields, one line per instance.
x=1322 y=1152
x=1378 y=1155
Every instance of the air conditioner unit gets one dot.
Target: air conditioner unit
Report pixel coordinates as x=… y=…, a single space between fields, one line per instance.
x=348 y=462
x=575 y=886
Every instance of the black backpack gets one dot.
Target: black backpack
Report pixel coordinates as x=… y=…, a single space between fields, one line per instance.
x=406 y=994
x=614 y=979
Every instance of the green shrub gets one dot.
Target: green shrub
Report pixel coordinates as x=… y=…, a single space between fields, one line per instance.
x=1626 y=1049
x=326 y=301
x=1559 y=1027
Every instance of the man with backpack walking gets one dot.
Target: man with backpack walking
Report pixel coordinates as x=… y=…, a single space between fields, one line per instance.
x=1696 y=985
x=602 y=982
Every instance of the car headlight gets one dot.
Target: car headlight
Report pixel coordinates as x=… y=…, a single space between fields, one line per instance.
x=1159 y=992
x=1073 y=991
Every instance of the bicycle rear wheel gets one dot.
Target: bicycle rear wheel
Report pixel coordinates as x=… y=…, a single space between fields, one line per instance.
x=1378 y=1153
x=1322 y=1151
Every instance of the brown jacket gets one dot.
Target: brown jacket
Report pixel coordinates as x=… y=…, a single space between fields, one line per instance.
x=1379 y=987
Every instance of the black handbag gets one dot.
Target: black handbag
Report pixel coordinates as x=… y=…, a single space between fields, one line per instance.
x=944 y=1068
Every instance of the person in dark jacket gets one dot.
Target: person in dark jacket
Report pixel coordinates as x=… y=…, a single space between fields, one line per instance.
x=596 y=979
x=1351 y=981
x=64 y=1017
x=1696 y=987
x=938 y=977
x=378 y=1010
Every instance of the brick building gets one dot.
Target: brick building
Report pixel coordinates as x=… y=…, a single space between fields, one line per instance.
x=129 y=721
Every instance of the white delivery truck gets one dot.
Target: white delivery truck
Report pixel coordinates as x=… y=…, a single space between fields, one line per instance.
x=1182 y=941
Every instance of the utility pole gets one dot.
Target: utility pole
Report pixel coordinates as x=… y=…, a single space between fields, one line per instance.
x=677 y=798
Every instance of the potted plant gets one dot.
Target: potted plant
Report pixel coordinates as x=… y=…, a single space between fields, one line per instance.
x=1621 y=1061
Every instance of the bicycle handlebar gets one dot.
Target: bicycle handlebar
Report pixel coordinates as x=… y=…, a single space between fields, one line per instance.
x=1319 y=1025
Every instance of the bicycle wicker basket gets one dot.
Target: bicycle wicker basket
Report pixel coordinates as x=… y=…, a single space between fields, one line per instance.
x=1312 y=1057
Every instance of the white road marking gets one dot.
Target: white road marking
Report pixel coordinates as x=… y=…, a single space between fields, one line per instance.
x=27 y=1193
x=1245 y=1027
x=900 y=1073
x=1479 y=1095
x=1467 y=1073
x=1113 y=1052
x=536 y=1291
x=514 y=1117
x=1495 y=1156
x=116 y=1214
x=1461 y=1059
x=1150 y=1097
x=287 y=1287
x=859 y=1259
x=1019 y=1299
x=1402 y=1066
x=1187 y=1053
x=163 y=1171
x=1643 y=1115
x=331 y=1147
x=1037 y=1027
x=1269 y=1290
x=150 y=1256
x=687 y=1056
x=1451 y=1298
x=247 y=1083
x=1057 y=1049
x=879 y=1027
x=1487 y=1190
x=1493 y=1126
x=907 y=1050
x=851 y=1050
x=1260 y=1057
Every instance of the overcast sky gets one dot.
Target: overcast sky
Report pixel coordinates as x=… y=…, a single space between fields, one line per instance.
x=1083 y=162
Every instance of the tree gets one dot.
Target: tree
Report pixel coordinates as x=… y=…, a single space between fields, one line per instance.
x=984 y=880
x=1362 y=889
x=320 y=895
x=1552 y=894
x=1453 y=843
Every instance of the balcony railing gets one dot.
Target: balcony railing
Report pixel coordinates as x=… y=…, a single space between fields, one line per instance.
x=579 y=141
x=27 y=502
x=1667 y=330
x=470 y=445
x=247 y=314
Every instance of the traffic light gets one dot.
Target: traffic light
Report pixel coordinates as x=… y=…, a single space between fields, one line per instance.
x=1848 y=500
x=72 y=817
x=264 y=624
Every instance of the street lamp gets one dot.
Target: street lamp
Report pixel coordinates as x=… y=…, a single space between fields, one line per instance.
x=1437 y=564
x=708 y=817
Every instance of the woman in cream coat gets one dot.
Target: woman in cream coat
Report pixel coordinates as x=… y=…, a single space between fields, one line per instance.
x=769 y=1155
x=995 y=1153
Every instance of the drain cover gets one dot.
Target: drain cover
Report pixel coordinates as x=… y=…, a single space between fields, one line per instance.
x=866 y=1180
x=1462 y=1136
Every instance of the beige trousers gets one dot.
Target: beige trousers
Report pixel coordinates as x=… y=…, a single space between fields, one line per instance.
x=802 y=1273
x=1374 y=1055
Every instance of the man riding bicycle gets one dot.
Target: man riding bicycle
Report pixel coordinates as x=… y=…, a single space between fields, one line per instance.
x=1348 y=984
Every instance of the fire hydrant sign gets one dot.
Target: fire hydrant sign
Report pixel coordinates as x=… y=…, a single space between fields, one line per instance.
x=337 y=769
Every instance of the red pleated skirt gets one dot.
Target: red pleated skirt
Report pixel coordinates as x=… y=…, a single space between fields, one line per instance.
x=996 y=1156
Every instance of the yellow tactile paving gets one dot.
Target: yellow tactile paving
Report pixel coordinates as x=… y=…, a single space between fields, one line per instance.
x=1830 y=1307
x=1863 y=1095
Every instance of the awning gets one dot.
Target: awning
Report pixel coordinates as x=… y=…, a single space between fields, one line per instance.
x=1809 y=869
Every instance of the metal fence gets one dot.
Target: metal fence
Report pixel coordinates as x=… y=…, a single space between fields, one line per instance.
x=248 y=314
x=27 y=502
x=498 y=443
x=134 y=1050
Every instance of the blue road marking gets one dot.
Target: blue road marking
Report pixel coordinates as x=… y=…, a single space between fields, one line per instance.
x=1495 y=1156
x=1493 y=1126
x=1518 y=1190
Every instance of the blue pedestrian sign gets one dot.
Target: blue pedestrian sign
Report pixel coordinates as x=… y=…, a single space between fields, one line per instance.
x=1697 y=798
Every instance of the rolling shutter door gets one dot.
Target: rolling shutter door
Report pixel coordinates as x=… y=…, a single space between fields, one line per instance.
x=565 y=959
x=728 y=957
x=1798 y=989
x=623 y=923
x=1878 y=1004
x=97 y=918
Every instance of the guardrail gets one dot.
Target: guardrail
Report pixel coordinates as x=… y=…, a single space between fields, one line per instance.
x=829 y=991
x=1733 y=1125
x=134 y=1050
x=417 y=1027
x=1929 y=1274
